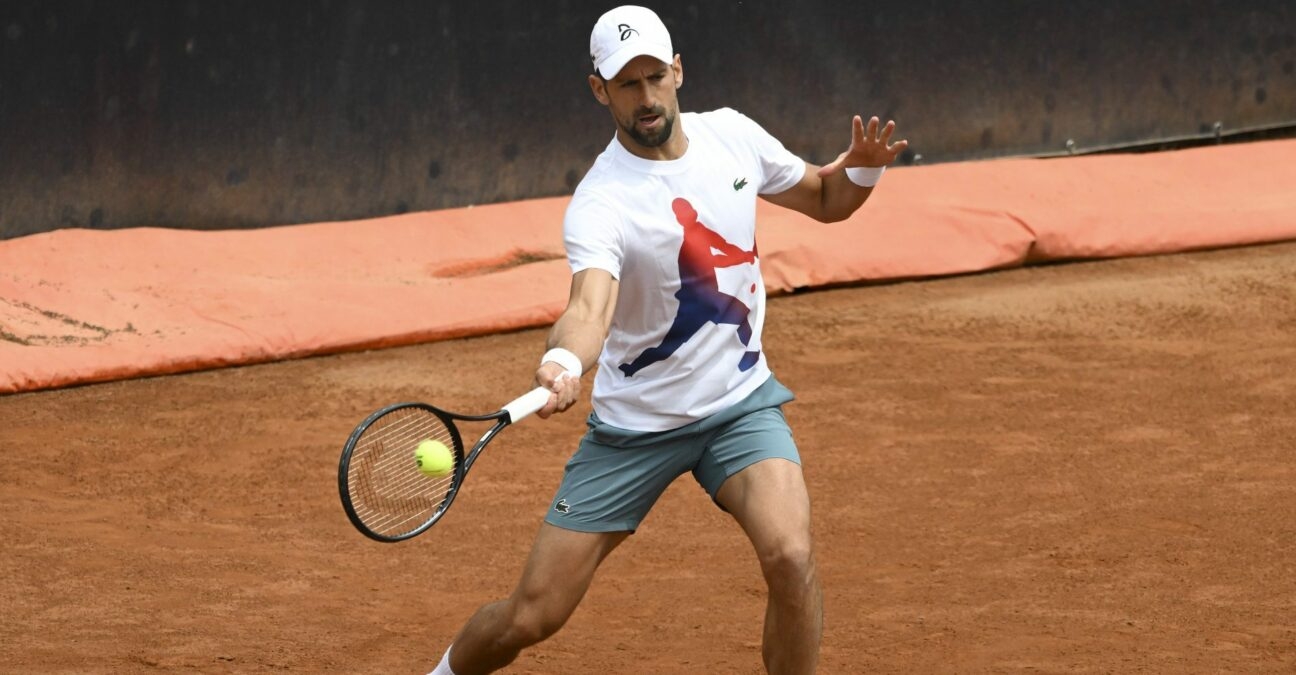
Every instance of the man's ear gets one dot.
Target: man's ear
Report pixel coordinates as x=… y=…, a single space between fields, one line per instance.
x=599 y=87
x=678 y=67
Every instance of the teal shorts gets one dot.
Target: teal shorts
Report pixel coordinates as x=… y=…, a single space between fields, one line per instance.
x=617 y=475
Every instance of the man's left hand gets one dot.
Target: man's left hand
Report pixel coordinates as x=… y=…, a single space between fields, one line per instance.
x=871 y=147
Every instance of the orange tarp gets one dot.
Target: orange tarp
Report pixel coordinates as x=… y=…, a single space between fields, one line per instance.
x=80 y=306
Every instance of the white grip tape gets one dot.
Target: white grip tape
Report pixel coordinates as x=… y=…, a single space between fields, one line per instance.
x=526 y=404
x=865 y=176
x=569 y=361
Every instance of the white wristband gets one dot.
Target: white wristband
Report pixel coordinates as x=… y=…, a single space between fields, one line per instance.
x=865 y=176
x=564 y=358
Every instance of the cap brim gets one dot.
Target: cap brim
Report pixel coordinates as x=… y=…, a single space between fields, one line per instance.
x=614 y=63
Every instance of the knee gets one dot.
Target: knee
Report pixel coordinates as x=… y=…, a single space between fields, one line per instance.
x=789 y=565
x=532 y=620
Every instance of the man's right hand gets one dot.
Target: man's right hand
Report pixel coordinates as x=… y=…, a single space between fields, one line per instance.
x=566 y=389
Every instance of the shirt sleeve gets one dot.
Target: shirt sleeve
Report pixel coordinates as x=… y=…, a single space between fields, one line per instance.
x=592 y=234
x=780 y=168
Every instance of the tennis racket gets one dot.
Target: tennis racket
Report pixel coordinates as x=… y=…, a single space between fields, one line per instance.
x=385 y=493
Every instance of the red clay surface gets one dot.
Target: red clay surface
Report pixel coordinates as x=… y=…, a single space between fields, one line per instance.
x=1080 y=468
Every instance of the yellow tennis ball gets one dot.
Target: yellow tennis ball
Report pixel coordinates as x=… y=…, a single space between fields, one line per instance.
x=434 y=458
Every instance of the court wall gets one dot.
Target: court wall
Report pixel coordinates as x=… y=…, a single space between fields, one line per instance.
x=210 y=115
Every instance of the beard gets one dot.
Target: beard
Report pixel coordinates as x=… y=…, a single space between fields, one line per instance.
x=654 y=138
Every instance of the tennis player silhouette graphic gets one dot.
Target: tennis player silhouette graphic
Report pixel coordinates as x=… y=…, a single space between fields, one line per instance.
x=700 y=299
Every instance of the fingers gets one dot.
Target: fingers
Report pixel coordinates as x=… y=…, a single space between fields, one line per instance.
x=885 y=138
x=549 y=408
x=566 y=389
x=566 y=393
x=872 y=128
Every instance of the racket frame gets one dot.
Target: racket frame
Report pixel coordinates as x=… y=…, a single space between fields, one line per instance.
x=515 y=411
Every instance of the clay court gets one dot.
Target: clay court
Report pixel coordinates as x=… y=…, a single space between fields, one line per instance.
x=1081 y=468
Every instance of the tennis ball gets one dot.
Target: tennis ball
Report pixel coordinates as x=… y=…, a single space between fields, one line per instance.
x=434 y=458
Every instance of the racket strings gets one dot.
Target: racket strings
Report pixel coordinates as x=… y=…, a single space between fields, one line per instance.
x=389 y=493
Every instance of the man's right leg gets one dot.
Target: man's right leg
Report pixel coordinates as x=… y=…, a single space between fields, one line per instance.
x=557 y=574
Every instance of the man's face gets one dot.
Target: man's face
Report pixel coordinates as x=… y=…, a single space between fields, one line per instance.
x=642 y=99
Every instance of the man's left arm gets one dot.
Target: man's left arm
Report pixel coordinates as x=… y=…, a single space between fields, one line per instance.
x=827 y=193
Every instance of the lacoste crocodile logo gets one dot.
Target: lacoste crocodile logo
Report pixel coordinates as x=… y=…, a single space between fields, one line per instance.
x=739 y=184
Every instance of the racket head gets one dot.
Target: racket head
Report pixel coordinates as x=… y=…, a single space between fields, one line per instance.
x=385 y=494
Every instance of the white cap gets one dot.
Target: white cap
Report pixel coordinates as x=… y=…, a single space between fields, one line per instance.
x=624 y=33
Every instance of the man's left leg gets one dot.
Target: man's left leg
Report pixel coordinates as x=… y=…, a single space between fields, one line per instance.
x=770 y=501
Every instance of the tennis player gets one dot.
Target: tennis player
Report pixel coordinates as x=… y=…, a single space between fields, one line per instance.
x=667 y=298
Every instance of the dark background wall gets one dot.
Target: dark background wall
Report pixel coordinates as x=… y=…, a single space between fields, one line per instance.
x=227 y=113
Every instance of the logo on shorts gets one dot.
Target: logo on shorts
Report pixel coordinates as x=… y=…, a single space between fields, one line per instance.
x=562 y=506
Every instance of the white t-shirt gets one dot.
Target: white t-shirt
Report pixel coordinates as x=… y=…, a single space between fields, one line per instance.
x=680 y=236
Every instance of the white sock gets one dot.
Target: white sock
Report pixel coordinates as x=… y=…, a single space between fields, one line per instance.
x=443 y=668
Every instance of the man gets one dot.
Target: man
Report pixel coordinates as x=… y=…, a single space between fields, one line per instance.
x=660 y=236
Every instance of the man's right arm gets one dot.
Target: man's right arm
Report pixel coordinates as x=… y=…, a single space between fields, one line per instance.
x=581 y=330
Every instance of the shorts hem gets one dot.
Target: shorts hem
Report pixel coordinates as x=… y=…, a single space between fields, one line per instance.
x=755 y=460
x=592 y=528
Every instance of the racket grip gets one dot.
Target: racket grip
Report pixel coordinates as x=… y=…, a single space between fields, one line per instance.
x=526 y=404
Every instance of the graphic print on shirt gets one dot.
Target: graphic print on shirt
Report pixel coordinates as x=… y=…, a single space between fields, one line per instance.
x=700 y=299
